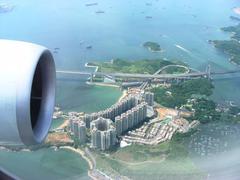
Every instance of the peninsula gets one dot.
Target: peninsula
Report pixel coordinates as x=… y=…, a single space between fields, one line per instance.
x=230 y=47
x=145 y=66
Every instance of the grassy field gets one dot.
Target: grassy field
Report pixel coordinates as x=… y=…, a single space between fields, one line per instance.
x=149 y=162
x=141 y=66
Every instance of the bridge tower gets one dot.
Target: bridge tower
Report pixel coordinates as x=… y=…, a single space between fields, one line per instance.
x=208 y=71
x=91 y=78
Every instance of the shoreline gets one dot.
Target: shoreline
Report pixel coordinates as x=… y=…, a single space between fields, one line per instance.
x=81 y=153
x=91 y=66
x=102 y=84
x=236 y=10
x=225 y=53
x=151 y=50
x=63 y=125
x=124 y=94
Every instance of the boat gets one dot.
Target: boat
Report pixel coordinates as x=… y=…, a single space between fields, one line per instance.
x=148 y=17
x=91 y=4
x=100 y=12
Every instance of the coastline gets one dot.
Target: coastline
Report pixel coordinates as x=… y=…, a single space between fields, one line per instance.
x=103 y=84
x=83 y=155
x=80 y=152
x=230 y=58
x=236 y=10
x=151 y=50
x=99 y=83
x=91 y=66
x=124 y=94
x=63 y=125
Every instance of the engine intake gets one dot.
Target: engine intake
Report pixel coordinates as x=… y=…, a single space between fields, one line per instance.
x=27 y=93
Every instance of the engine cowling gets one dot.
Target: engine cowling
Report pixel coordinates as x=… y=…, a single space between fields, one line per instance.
x=27 y=92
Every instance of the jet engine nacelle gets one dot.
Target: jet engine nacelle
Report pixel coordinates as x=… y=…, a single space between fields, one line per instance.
x=27 y=92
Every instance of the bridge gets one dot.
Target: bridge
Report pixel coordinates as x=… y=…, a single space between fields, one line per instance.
x=190 y=75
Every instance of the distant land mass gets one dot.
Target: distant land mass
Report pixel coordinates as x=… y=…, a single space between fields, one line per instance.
x=230 y=47
x=236 y=10
x=4 y=8
x=235 y=18
x=152 y=46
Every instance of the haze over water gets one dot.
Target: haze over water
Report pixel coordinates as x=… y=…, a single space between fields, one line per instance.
x=119 y=33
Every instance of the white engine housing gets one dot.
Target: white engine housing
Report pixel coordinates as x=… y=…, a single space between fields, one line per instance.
x=27 y=92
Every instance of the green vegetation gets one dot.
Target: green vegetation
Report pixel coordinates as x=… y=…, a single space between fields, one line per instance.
x=230 y=47
x=235 y=30
x=142 y=161
x=177 y=147
x=205 y=111
x=178 y=94
x=174 y=70
x=145 y=66
x=152 y=46
x=139 y=153
x=233 y=115
x=193 y=96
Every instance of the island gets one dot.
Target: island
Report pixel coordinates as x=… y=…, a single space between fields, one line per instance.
x=152 y=46
x=230 y=47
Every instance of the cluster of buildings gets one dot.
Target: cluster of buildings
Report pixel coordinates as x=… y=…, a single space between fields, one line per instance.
x=103 y=134
x=106 y=125
x=115 y=110
x=78 y=129
x=123 y=119
x=131 y=118
x=159 y=130
x=149 y=98
x=151 y=133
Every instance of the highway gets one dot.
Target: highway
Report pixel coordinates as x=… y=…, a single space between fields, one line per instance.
x=141 y=76
x=151 y=76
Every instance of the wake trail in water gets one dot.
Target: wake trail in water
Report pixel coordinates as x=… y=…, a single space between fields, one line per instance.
x=182 y=48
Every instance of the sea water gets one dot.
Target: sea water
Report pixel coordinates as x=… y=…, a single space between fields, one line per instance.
x=182 y=28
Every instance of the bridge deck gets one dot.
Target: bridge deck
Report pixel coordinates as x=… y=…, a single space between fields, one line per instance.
x=150 y=76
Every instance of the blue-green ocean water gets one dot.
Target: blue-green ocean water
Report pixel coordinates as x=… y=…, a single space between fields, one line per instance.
x=117 y=33
x=120 y=31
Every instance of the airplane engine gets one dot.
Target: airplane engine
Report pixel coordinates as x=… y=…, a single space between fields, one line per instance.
x=27 y=92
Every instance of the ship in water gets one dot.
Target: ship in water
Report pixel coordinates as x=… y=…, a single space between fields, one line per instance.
x=89 y=47
x=100 y=12
x=148 y=17
x=91 y=4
